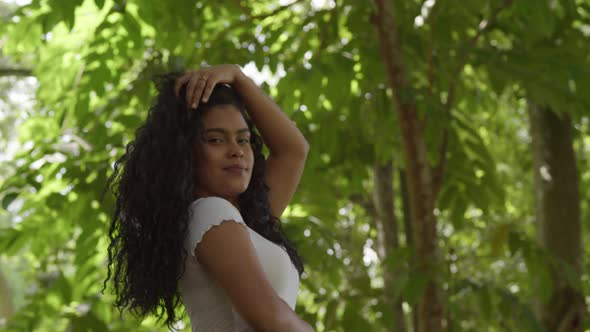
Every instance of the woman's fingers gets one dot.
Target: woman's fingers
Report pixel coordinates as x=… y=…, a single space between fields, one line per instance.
x=190 y=79
x=201 y=86
x=192 y=85
x=208 y=89
x=181 y=81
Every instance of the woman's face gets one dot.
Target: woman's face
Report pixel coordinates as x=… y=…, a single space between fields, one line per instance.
x=225 y=141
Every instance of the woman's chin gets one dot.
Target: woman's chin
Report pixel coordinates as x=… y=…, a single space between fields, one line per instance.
x=235 y=191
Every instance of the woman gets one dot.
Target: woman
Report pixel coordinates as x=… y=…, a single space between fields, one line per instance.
x=196 y=163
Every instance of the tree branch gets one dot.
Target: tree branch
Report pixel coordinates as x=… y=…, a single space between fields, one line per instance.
x=238 y=23
x=484 y=25
x=15 y=72
x=439 y=169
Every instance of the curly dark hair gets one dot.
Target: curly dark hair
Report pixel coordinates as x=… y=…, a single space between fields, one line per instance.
x=153 y=192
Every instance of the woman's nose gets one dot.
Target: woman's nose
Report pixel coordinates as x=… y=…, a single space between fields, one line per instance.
x=236 y=150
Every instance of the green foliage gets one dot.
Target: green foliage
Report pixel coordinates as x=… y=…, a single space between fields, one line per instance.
x=94 y=61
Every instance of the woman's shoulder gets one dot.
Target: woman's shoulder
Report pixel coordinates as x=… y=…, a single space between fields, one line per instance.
x=213 y=202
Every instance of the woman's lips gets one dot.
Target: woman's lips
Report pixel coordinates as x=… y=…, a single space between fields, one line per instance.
x=235 y=170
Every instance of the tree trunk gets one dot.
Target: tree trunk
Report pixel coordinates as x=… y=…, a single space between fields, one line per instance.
x=557 y=214
x=408 y=231
x=387 y=236
x=420 y=180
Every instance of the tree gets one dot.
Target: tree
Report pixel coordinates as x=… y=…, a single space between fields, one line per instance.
x=558 y=218
x=420 y=174
x=462 y=61
x=559 y=301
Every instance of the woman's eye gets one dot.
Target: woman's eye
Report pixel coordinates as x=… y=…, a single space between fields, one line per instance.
x=213 y=140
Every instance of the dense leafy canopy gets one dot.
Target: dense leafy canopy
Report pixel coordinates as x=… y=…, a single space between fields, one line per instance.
x=472 y=63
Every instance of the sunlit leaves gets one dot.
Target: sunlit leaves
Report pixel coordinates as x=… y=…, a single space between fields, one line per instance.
x=95 y=59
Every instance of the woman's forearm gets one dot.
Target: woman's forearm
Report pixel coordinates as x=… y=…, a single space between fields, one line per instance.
x=295 y=324
x=278 y=131
x=289 y=321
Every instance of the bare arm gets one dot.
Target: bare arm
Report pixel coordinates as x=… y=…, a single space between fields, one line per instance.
x=228 y=254
x=288 y=148
x=287 y=145
x=278 y=131
x=292 y=322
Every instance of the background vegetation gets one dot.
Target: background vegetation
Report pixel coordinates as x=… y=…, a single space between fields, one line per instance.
x=446 y=186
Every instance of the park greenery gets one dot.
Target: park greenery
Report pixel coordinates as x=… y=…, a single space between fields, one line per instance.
x=446 y=183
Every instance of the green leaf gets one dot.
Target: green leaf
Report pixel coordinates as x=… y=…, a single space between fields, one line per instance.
x=129 y=120
x=8 y=198
x=352 y=317
x=397 y=258
x=415 y=287
x=458 y=209
x=11 y=240
x=540 y=272
x=499 y=238
x=514 y=243
x=88 y=322
x=56 y=201
x=571 y=275
x=498 y=76
x=133 y=28
x=63 y=287
x=99 y=3
x=484 y=297
x=49 y=20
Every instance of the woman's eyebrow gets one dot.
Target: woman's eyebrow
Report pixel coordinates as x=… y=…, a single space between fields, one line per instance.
x=225 y=131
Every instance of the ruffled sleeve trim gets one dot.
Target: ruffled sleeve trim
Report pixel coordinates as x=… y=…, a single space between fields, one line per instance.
x=208 y=212
x=194 y=247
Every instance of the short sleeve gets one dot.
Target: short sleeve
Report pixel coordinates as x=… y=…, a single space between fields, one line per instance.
x=208 y=212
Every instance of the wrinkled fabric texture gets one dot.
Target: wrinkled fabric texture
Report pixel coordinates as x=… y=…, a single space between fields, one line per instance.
x=208 y=306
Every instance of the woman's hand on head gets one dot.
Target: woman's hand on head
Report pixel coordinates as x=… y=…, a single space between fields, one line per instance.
x=201 y=82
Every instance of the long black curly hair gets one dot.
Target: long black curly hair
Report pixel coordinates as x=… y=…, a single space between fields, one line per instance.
x=153 y=185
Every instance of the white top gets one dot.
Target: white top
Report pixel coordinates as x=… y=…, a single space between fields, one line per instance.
x=208 y=306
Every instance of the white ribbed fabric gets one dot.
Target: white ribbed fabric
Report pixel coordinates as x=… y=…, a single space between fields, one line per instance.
x=208 y=306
